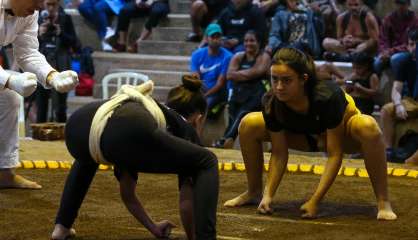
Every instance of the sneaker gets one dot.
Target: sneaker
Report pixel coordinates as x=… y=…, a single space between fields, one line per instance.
x=193 y=37
x=109 y=32
x=106 y=46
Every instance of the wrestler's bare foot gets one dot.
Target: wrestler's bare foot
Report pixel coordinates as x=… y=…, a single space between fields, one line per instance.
x=385 y=211
x=244 y=199
x=8 y=179
x=62 y=233
x=309 y=209
x=412 y=161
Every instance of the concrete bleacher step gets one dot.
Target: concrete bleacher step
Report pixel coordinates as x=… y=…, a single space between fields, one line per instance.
x=88 y=36
x=170 y=33
x=180 y=6
x=105 y=62
x=173 y=48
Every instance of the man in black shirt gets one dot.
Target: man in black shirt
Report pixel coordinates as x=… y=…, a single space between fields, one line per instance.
x=239 y=17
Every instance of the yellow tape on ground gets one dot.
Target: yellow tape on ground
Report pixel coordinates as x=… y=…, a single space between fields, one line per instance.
x=292 y=167
x=350 y=171
x=52 y=164
x=228 y=166
x=399 y=172
x=104 y=167
x=239 y=167
x=318 y=169
x=362 y=173
x=26 y=164
x=39 y=164
x=266 y=167
x=305 y=167
x=390 y=170
x=413 y=173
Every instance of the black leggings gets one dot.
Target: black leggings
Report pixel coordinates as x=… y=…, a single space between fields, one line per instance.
x=131 y=140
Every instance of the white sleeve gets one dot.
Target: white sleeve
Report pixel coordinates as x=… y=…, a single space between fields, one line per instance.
x=3 y=78
x=27 y=55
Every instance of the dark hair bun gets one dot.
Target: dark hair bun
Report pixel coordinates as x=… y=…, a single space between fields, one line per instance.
x=191 y=82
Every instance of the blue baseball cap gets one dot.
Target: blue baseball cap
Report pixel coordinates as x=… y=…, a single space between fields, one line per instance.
x=212 y=29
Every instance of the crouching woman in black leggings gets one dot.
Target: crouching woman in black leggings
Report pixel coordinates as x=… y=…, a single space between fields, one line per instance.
x=136 y=134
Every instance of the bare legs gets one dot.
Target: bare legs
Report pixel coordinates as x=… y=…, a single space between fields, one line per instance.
x=362 y=129
x=252 y=133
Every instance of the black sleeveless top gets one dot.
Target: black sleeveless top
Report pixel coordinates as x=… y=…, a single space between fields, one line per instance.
x=245 y=89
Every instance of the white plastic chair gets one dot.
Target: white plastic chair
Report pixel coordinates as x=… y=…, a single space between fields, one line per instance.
x=121 y=78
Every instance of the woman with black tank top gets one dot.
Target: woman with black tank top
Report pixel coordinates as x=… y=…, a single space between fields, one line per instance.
x=247 y=70
x=363 y=83
x=139 y=138
x=301 y=113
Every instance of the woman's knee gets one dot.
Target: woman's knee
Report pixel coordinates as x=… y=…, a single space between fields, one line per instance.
x=252 y=124
x=365 y=128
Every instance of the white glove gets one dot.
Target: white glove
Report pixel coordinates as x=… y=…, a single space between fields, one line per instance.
x=23 y=83
x=64 y=81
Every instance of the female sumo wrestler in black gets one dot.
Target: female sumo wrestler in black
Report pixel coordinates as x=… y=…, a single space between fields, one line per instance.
x=135 y=134
x=301 y=113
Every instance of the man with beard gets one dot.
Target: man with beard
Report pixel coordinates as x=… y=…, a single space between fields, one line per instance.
x=357 y=31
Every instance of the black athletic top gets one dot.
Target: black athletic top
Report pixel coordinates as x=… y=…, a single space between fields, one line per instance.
x=326 y=111
x=175 y=123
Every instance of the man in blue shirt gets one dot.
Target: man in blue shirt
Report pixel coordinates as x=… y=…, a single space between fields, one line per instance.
x=210 y=64
x=404 y=105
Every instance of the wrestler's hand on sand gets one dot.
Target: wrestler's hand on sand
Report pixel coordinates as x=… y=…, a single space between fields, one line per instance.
x=63 y=81
x=264 y=206
x=23 y=83
x=309 y=209
x=163 y=229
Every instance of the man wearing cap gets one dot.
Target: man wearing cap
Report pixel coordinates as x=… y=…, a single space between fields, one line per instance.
x=19 y=27
x=210 y=64
x=393 y=37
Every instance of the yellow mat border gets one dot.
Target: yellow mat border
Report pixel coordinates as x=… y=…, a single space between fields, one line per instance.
x=232 y=166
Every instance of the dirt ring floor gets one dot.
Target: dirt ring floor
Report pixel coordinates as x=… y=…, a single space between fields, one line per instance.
x=347 y=212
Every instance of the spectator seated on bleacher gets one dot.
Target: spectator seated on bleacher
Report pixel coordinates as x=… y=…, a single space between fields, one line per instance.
x=393 y=37
x=329 y=11
x=154 y=9
x=404 y=105
x=357 y=31
x=239 y=17
x=98 y=12
x=57 y=40
x=210 y=64
x=363 y=83
x=202 y=13
x=293 y=24
x=248 y=72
